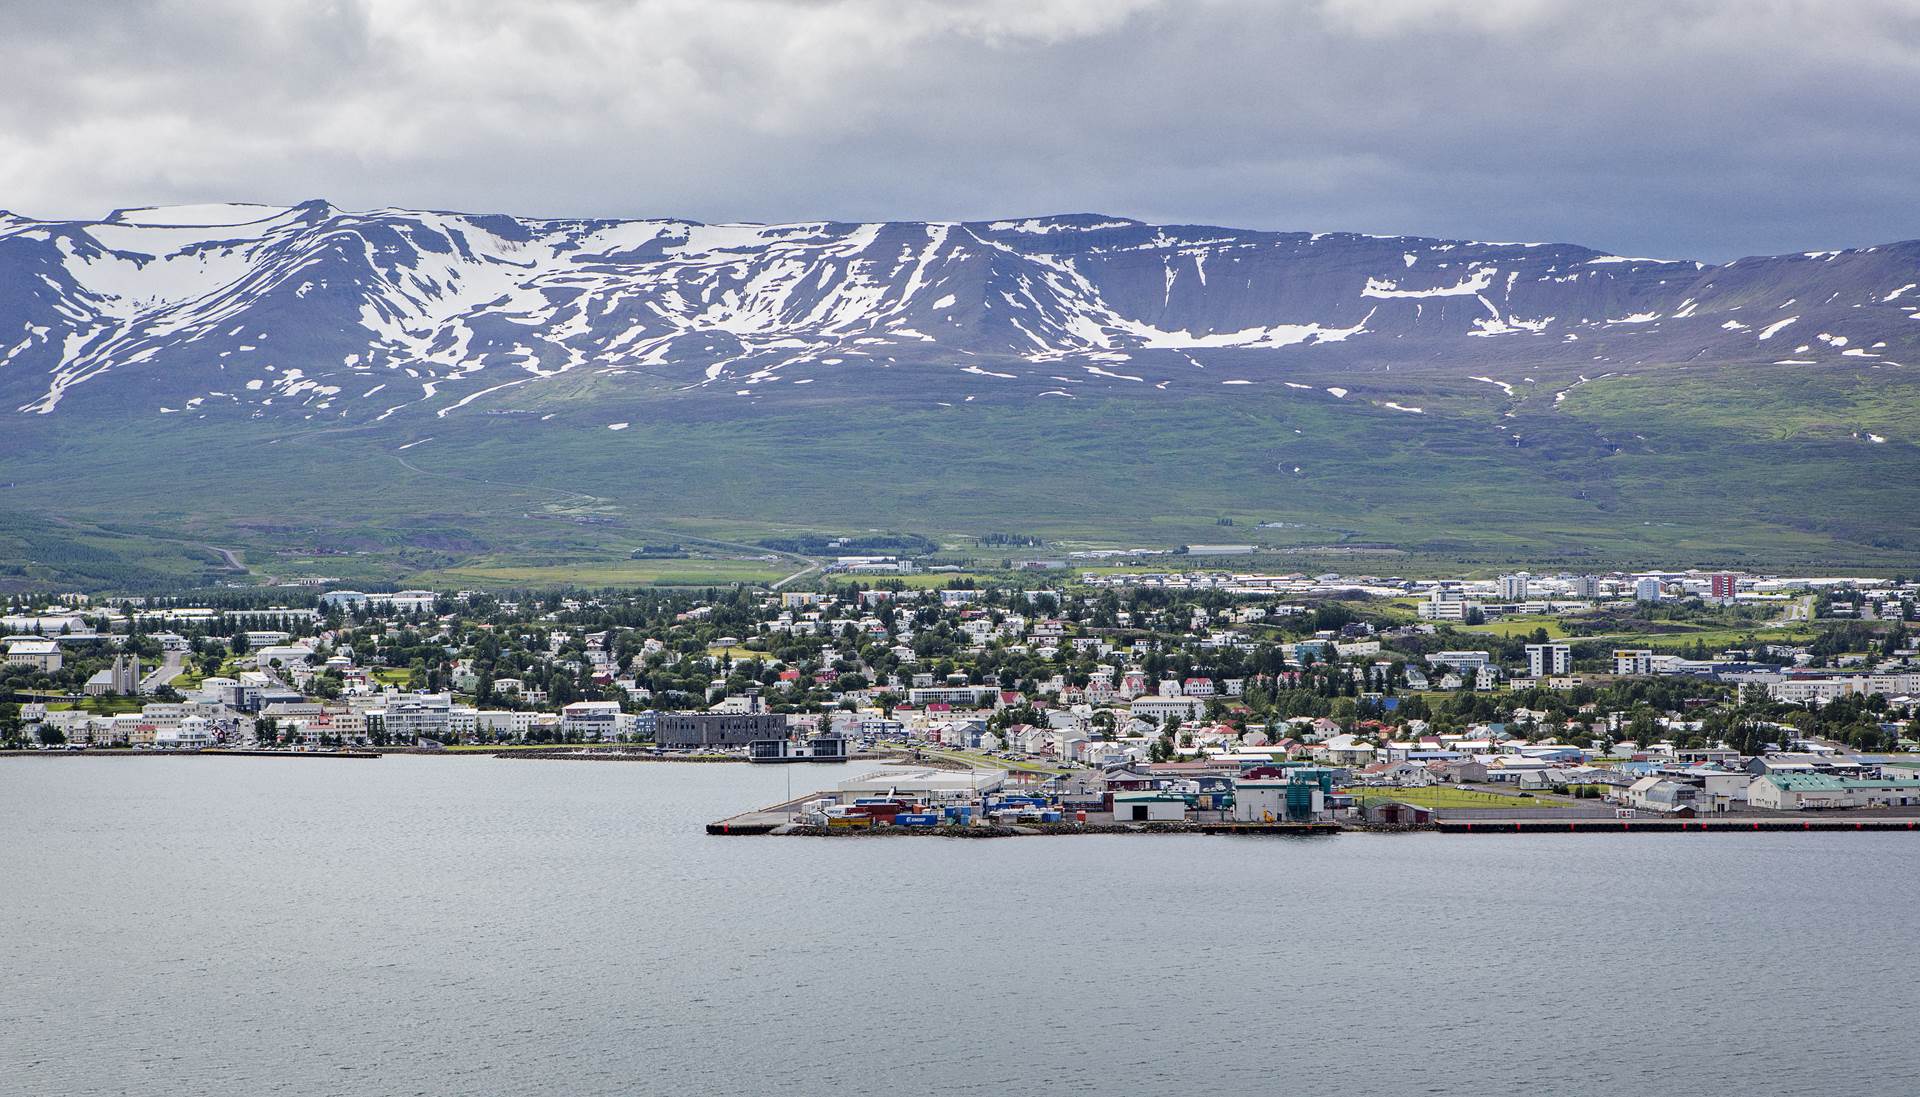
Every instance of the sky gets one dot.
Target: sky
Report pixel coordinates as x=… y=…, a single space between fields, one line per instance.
x=1670 y=128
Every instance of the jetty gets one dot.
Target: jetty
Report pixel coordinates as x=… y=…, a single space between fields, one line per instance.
x=1670 y=826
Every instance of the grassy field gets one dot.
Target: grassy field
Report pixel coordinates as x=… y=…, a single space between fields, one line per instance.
x=1442 y=797
x=1713 y=637
x=1770 y=468
x=682 y=573
x=100 y=706
x=1519 y=625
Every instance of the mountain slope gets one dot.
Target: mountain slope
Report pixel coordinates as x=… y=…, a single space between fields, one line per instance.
x=319 y=314
x=481 y=400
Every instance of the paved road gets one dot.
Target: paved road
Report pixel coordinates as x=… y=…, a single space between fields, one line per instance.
x=171 y=664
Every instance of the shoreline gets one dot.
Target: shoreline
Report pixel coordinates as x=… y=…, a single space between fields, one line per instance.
x=566 y=753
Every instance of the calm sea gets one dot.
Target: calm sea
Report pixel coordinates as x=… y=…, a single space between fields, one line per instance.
x=237 y=928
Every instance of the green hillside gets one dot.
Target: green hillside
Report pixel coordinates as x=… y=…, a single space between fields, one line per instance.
x=1769 y=467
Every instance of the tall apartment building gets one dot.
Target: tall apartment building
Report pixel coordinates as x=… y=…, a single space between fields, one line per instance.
x=1549 y=660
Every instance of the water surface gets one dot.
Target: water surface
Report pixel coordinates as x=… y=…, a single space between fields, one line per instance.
x=240 y=927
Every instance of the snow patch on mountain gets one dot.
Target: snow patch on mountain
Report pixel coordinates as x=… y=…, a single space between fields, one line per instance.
x=453 y=310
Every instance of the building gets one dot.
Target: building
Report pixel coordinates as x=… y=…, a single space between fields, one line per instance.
x=1874 y=792
x=408 y=601
x=1724 y=587
x=1513 y=588
x=123 y=678
x=413 y=717
x=1647 y=590
x=1444 y=604
x=502 y=723
x=716 y=729
x=1633 y=661
x=921 y=783
x=1460 y=660
x=1298 y=797
x=1798 y=792
x=600 y=721
x=1546 y=660
x=1157 y=709
x=1149 y=806
x=820 y=748
x=1818 y=689
x=1657 y=794
x=952 y=695
x=193 y=733
x=38 y=654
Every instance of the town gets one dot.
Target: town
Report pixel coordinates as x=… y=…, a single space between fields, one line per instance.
x=1110 y=699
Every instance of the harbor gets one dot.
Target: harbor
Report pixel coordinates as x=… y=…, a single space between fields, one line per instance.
x=1285 y=800
x=980 y=802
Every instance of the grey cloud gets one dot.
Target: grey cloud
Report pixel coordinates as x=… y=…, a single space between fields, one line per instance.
x=1706 y=128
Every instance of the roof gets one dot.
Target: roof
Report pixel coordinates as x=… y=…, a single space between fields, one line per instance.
x=1807 y=782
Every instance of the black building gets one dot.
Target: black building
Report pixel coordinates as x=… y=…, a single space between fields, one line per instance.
x=717 y=729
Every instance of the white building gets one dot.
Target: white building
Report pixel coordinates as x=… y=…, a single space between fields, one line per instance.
x=1444 y=604
x=1460 y=660
x=1544 y=660
x=596 y=720
x=415 y=716
x=1157 y=709
x=38 y=654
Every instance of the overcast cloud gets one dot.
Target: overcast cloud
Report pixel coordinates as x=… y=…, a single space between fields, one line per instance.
x=1697 y=128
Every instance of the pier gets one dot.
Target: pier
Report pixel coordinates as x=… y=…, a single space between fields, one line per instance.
x=1668 y=826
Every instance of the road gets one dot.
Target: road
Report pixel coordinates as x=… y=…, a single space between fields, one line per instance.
x=171 y=664
x=801 y=574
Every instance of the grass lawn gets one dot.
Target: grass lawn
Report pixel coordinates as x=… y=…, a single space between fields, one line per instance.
x=1715 y=637
x=690 y=572
x=1442 y=797
x=392 y=676
x=1519 y=626
x=100 y=706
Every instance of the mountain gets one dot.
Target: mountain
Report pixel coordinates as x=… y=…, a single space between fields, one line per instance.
x=312 y=312
x=465 y=399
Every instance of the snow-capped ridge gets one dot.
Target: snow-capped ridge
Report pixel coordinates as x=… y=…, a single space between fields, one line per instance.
x=454 y=312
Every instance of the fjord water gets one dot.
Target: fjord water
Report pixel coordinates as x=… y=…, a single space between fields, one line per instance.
x=236 y=927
